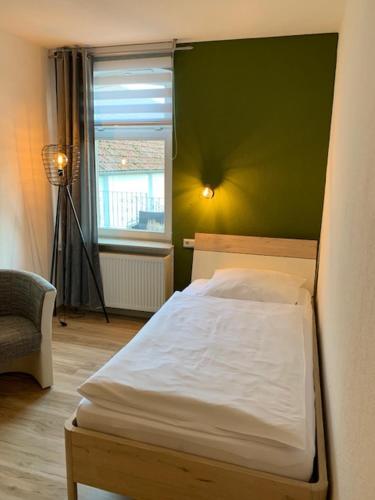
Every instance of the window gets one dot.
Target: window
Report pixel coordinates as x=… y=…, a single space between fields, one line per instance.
x=133 y=146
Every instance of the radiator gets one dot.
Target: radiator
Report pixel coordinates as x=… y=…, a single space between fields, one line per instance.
x=136 y=282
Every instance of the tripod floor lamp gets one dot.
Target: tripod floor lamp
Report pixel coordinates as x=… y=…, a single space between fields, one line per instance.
x=61 y=163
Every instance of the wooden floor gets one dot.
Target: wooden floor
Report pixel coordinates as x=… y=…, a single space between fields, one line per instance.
x=32 y=460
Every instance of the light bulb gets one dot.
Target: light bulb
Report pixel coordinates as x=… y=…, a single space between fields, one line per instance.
x=207 y=192
x=124 y=161
x=61 y=163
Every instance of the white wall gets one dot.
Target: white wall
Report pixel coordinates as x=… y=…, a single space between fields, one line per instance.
x=346 y=287
x=25 y=195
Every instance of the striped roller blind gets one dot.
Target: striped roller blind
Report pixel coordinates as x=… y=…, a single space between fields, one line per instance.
x=132 y=91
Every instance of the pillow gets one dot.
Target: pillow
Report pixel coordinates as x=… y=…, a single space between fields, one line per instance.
x=254 y=284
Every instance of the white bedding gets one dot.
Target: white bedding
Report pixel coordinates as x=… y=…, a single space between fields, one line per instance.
x=185 y=384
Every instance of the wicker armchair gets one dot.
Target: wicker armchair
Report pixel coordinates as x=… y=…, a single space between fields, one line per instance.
x=26 y=307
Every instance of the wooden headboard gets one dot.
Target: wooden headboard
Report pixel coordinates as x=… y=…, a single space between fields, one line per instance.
x=214 y=251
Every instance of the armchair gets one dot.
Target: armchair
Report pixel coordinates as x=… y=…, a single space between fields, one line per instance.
x=26 y=307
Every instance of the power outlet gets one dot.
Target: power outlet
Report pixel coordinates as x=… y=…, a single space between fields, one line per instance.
x=189 y=242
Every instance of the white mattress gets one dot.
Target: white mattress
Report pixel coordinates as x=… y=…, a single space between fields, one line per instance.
x=259 y=445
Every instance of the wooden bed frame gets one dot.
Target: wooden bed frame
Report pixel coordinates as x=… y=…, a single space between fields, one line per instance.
x=148 y=472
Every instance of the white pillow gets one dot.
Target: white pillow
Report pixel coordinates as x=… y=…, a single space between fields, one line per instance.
x=254 y=284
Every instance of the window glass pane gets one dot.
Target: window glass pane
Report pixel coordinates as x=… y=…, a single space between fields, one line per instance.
x=133 y=110
x=131 y=183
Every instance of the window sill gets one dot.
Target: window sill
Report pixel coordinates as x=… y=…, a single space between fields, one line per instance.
x=135 y=246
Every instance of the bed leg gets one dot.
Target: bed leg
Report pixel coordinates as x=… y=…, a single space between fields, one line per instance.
x=72 y=490
x=70 y=484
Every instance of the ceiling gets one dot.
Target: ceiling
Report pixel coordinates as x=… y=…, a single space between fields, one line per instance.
x=54 y=23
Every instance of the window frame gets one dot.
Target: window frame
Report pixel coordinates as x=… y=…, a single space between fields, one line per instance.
x=141 y=132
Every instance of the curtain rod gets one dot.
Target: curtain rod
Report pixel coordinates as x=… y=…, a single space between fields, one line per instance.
x=124 y=49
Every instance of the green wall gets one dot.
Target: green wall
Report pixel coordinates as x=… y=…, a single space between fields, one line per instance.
x=253 y=118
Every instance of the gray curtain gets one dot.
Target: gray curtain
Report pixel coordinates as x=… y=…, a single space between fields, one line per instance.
x=73 y=70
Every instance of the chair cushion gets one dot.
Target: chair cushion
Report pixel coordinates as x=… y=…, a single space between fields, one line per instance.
x=18 y=337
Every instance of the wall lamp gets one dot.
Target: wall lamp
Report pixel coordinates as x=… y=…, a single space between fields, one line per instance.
x=208 y=192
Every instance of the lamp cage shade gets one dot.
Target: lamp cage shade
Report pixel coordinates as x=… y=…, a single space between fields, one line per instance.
x=61 y=163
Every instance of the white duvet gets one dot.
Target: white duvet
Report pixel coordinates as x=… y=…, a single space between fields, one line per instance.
x=214 y=365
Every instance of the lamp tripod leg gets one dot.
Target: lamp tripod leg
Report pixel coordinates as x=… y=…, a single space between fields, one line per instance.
x=87 y=254
x=55 y=250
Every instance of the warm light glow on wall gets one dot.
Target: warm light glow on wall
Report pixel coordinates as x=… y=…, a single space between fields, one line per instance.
x=207 y=192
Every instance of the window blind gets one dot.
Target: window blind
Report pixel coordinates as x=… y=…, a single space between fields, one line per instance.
x=133 y=91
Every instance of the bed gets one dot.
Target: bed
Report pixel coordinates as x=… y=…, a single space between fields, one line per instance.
x=137 y=436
